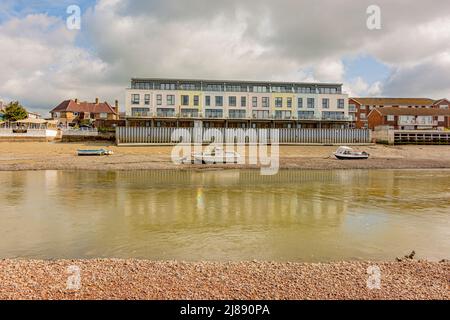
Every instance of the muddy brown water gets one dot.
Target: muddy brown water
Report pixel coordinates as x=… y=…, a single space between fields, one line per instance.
x=225 y=215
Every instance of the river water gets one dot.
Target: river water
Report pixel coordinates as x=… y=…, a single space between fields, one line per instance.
x=225 y=215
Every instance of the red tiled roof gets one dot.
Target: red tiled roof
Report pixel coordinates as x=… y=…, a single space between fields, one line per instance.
x=395 y=101
x=412 y=111
x=91 y=107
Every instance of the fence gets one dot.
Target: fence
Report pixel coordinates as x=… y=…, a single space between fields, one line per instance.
x=149 y=136
x=421 y=137
x=91 y=132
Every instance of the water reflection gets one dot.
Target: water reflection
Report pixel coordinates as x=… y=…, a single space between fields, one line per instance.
x=225 y=215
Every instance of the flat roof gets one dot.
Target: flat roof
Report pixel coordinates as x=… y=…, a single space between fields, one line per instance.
x=237 y=81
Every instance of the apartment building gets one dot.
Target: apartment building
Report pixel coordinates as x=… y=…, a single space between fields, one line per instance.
x=363 y=106
x=410 y=118
x=241 y=104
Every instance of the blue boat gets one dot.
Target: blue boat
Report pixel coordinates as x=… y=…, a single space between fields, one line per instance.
x=95 y=152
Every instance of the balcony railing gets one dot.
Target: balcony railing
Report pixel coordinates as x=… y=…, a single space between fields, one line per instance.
x=418 y=123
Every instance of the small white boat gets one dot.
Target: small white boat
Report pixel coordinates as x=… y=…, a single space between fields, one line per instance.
x=216 y=155
x=346 y=153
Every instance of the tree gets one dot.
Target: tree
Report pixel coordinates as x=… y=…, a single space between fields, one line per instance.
x=14 y=111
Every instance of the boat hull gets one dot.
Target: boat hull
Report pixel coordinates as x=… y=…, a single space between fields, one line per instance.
x=352 y=157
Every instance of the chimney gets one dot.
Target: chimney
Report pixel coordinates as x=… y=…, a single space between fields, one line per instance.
x=116 y=107
x=76 y=100
x=96 y=100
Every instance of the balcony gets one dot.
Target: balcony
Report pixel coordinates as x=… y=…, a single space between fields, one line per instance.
x=336 y=118
x=417 y=123
x=141 y=114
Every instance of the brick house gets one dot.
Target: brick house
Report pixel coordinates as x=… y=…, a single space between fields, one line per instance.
x=409 y=118
x=364 y=106
x=72 y=111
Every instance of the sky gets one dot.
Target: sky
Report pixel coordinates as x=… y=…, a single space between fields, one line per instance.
x=43 y=62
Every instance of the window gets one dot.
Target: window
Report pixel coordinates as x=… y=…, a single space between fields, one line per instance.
x=167 y=86
x=232 y=101
x=243 y=101
x=147 y=99
x=311 y=103
x=278 y=102
x=341 y=103
x=443 y=106
x=135 y=99
x=279 y=114
x=326 y=103
x=159 y=99
x=207 y=101
x=184 y=100
x=103 y=115
x=300 y=103
x=165 y=112
x=333 y=115
x=306 y=114
x=214 y=87
x=140 y=112
x=390 y=118
x=255 y=102
x=352 y=108
x=219 y=101
x=236 y=114
x=259 y=89
x=189 y=113
x=260 y=114
x=213 y=113
x=196 y=100
x=265 y=102
x=441 y=118
x=363 y=107
x=362 y=116
x=170 y=100
x=289 y=102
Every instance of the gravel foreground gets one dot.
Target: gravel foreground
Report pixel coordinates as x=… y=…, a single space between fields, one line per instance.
x=143 y=279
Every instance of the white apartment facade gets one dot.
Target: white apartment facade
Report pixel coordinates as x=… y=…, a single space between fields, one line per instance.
x=222 y=103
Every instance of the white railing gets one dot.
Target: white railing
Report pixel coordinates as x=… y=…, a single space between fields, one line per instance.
x=80 y=132
x=22 y=133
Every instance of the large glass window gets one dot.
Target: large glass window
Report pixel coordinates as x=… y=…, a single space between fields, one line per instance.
x=306 y=114
x=135 y=98
x=213 y=113
x=341 y=103
x=207 y=101
x=140 y=112
x=189 y=113
x=333 y=115
x=311 y=103
x=281 y=114
x=160 y=112
x=236 y=114
x=326 y=103
x=265 y=102
x=260 y=114
x=159 y=99
x=147 y=99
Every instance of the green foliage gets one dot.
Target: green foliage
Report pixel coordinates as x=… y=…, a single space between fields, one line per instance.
x=14 y=111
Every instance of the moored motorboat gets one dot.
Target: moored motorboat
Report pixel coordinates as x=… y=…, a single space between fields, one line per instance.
x=94 y=152
x=216 y=155
x=347 y=153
